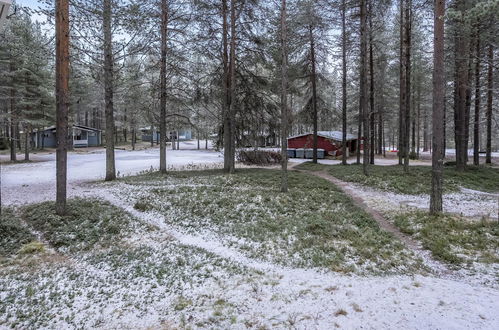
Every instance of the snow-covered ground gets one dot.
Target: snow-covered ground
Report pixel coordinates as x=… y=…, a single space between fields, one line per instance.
x=467 y=202
x=34 y=182
x=264 y=295
x=241 y=292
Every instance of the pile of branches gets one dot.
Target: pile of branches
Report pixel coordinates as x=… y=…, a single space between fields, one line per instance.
x=259 y=157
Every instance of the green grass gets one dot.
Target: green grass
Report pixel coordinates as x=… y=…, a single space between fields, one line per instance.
x=313 y=225
x=13 y=234
x=451 y=238
x=88 y=222
x=416 y=182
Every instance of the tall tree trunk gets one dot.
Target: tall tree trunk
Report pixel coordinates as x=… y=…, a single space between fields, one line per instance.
x=134 y=137
x=152 y=136
x=445 y=126
x=62 y=101
x=232 y=104
x=18 y=136
x=490 y=86
x=344 y=83
x=371 y=87
x=314 y=92
x=461 y=88
x=438 y=107
x=418 y=145
x=284 y=98
x=467 y=113
x=363 y=83
x=109 y=90
x=476 y=124
x=426 y=138
x=26 y=142
x=13 y=117
x=402 y=87
x=225 y=81
x=407 y=53
x=359 y=135
x=381 y=109
x=162 y=124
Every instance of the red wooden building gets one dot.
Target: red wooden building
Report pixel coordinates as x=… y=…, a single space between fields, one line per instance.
x=330 y=141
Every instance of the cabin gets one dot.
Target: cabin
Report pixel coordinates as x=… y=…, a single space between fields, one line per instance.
x=80 y=137
x=330 y=141
x=252 y=140
x=147 y=135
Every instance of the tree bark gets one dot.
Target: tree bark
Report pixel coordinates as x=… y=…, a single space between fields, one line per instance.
x=109 y=90
x=418 y=129
x=162 y=124
x=426 y=138
x=62 y=101
x=344 y=83
x=402 y=86
x=467 y=113
x=13 y=117
x=363 y=83
x=438 y=107
x=134 y=136
x=407 y=107
x=284 y=98
x=461 y=88
x=490 y=86
x=313 y=78
x=232 y=104
x=476 y=124
x=26 y=142
x=371 y=87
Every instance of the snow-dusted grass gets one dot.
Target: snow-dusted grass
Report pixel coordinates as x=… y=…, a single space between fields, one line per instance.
x=417 y=181
x=453 y=239
x=313 y=225
x=148 y=276
x=13 y=235
x=81 y=282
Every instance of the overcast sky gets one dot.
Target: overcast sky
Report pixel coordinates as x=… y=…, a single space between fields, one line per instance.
x=33 y=4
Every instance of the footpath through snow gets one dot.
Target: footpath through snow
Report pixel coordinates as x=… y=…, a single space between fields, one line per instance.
x=305 y=298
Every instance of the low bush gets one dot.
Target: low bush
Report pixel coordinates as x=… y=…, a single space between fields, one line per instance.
x=259 y=157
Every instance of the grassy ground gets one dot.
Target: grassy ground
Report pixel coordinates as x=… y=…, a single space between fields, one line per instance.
x=13 y=234
x=98 y=262
x=417 y=181
x=453 y=239
x=314 y=225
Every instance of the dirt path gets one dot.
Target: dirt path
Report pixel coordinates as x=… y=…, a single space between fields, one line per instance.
x=386 y=225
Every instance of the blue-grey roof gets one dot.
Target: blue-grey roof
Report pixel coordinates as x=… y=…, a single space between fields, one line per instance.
x=333 y=135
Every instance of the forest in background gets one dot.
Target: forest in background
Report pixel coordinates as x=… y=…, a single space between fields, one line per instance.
x=116 y=61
